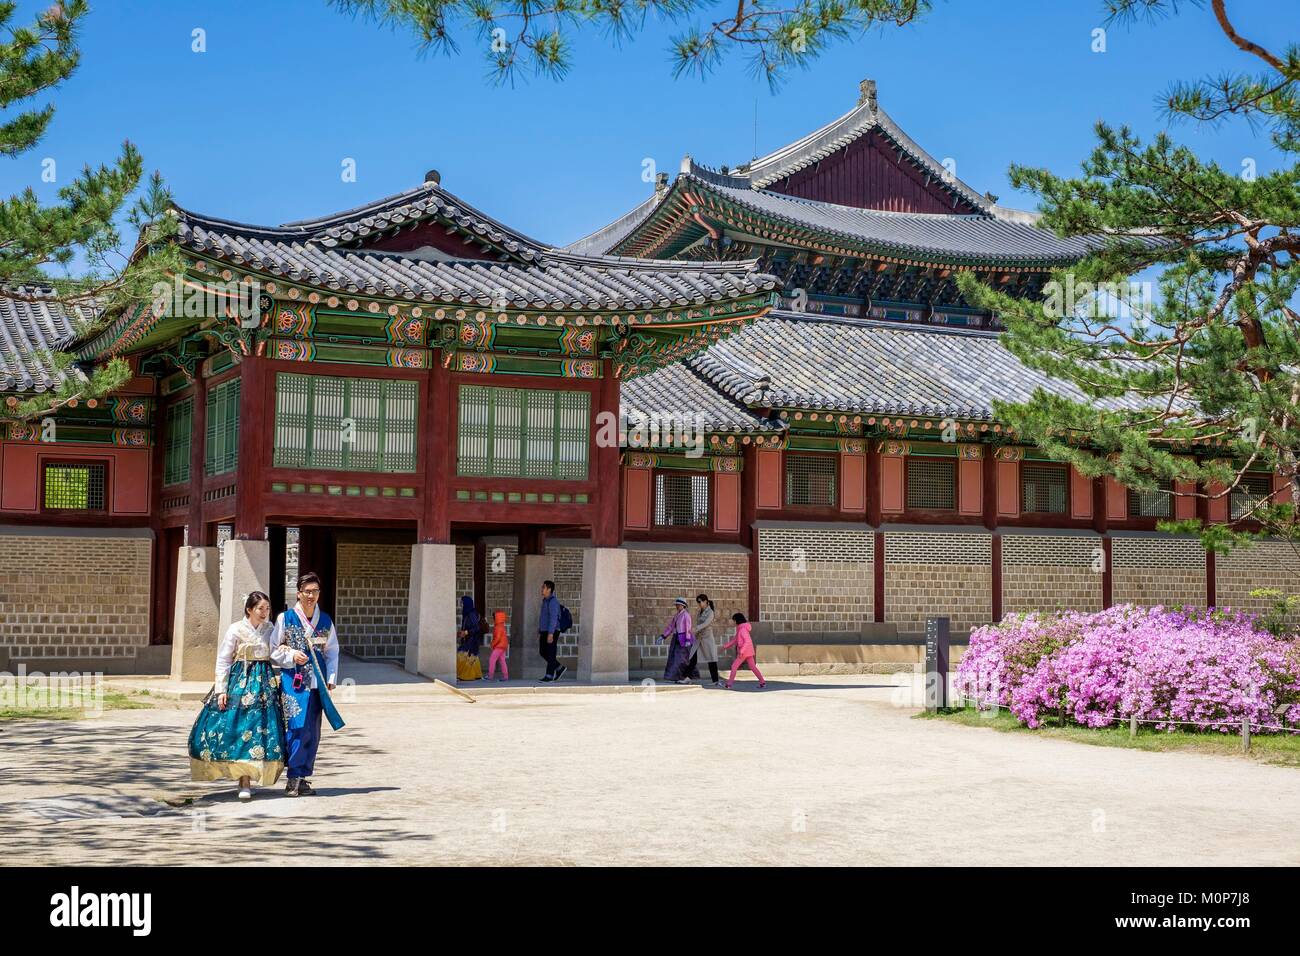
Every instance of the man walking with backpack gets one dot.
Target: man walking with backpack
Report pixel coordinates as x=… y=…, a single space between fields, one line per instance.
x=549 y=626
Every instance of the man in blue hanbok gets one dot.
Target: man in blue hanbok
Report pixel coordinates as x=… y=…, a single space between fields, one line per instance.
x=306 y=647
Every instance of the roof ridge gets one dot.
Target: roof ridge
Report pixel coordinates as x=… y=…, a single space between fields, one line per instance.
x=888 y=324
x=608 y=235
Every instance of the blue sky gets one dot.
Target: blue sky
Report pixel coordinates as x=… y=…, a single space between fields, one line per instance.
x=257 y=127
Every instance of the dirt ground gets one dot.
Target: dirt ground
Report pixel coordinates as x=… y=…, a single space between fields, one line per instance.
x=824 y=770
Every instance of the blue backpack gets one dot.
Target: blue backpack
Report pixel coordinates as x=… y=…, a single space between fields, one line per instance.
x=566 y=620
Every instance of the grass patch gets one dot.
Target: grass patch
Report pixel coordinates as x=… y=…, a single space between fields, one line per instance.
x=74 y=705
x=1282 y=749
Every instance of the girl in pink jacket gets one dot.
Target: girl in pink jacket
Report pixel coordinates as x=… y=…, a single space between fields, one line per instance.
x=744 y=645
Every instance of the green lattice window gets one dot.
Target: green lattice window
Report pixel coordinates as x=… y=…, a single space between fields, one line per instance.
x=931 y=484
x=176 y=442
x=221 y=453
x=682 y=499
x=1157 y=502
x=523 y=433
x=810 y=480
x=1044 y=489
x=1253 y=488
x=345 y=424
x=72 y=486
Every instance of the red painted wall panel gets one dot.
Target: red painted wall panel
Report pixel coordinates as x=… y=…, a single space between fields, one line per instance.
x=1281 y=490
x=853 y=483
x=891 y=485
x=636 y=488
x=20 y=475
x=1080 y=495
x=131 y=482
x=769 y=478
x=867 y=174
x=19 y=478
x=970 y=486
x=1116 y=500
x=1217 y=507
x=726 y=502
x=1009 y=489
x=1184 y=503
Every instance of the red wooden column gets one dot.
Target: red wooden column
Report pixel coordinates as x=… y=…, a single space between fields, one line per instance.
x=607 y=522
x=437 y=438
x=198 y=535
x=161 y=594
x=256 y=439
x=873 y=483
x=875 y=516
x=748 y=515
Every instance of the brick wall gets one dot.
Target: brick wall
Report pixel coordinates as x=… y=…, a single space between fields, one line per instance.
x=1150 y=571
x=64 y=596
x=931 y=574
x=815 y=579
x=1266 y=564
x=374 y=583
x=655 y=578
x=1051 y=573
x=465 y=577
x=568 y=588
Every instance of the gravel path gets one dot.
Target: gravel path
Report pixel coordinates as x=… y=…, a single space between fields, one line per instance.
x=814 y=770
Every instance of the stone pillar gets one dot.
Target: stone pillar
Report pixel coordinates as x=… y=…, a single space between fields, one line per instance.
x=246 y=567
x=431 y=618
x=195 y=632
x=602 y=632
x=525 y=609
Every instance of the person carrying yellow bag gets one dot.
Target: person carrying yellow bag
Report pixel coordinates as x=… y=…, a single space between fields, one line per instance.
x=469 y=639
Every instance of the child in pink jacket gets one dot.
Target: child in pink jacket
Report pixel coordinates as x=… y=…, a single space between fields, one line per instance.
x=744 y=645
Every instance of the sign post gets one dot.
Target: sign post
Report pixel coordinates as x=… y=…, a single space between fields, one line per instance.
x=936 y=663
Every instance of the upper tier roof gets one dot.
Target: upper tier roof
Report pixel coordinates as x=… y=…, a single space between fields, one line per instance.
x=898 y=202
x=864 y=119
x=331 y=252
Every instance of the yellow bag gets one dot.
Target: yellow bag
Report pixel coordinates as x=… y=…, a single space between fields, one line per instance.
x=468 y=666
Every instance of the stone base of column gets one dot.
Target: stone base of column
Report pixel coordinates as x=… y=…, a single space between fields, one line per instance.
x=602 y=633
x=245 y=567
x=195 y=631
x=431 y=617
x=525 y=611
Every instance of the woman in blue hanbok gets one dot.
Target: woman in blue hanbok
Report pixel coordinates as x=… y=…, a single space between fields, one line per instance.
x=239 y=733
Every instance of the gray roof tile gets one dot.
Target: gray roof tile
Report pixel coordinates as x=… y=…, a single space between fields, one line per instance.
x=788 y=360
x=29 y=332
x=542 y=277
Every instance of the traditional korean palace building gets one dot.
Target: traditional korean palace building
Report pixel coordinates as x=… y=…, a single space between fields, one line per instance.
x=761 y=383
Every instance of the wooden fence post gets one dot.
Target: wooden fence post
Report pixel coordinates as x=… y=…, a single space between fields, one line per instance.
x=1245 y=734
x=1133 y=726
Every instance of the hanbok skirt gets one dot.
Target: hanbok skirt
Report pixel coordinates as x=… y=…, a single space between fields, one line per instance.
x=679 y=660
x=247 y=738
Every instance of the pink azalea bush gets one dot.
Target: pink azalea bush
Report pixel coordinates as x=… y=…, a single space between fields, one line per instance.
x=1211 y=669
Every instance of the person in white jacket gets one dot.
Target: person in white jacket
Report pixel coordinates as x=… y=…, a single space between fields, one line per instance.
x=299 y=631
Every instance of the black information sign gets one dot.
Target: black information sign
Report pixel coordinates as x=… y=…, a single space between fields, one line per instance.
x=936 y=662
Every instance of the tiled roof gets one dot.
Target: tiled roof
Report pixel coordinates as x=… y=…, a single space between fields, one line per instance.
x=677 y=394
x=905 y=234
x=29 y=332
x=313 y=252
x=788 y=360
x=864 y=118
